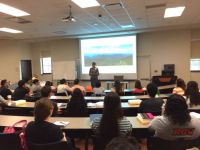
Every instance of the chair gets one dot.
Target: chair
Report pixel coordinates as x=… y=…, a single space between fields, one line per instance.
x=49 y=146
x=155 y=143
x=10 y=141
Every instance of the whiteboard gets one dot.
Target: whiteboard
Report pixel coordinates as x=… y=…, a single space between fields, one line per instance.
x=64 y=69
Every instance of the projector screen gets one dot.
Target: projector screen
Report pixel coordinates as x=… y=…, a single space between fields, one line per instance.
x=113 y=56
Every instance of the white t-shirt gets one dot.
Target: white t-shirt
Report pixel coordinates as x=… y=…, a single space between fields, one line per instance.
x=166 y=130
x=63 y=88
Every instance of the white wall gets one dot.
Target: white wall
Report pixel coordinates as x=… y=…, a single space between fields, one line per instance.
x=11 y=53
x=164 y=47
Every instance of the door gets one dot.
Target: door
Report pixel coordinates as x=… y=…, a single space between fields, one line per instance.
x=26 y=69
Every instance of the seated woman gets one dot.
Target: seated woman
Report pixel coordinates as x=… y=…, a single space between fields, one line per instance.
x=180 y=87
x=50 y=84
x=77 y=106
x=77 y=85
x=192 y=94
x=138 y=88
x=36 y=88
x=4 y=90
x=98 y=89
x=176 y=121
x=112 y=123
x=41 y=131
x=117 y=88
x=63 y=89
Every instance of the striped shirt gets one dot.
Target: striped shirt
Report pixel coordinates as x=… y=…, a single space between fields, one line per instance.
x=125 y=127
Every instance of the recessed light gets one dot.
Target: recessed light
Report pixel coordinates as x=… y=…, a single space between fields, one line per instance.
x=86 y=3
x=9 y=30
x=174 y=12
x=12 y=11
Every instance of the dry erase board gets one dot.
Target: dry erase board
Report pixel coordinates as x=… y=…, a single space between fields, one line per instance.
x=64 y=69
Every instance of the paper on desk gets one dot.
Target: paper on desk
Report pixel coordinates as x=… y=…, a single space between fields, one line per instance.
x=61 y=123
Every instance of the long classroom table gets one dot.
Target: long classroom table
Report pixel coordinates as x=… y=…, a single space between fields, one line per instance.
x=75 y=123
x=101 y=98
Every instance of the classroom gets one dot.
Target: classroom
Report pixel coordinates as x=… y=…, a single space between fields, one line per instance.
x=80 y=59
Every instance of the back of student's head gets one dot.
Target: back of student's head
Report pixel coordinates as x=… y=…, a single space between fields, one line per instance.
x=76 y=81
x=192 y=88
x=138 y=84
x=118 y=87
x=46 y=91
x=180 y=83
x=43 y=109
x=63 y=81
x=48 y=83
x=3 y=82
x=21 y=83
x=35 y=81
x=123 y=143
x=112 y=112
x=98 y=84
x=176 y=110
x=77 y=96
x=152 y=89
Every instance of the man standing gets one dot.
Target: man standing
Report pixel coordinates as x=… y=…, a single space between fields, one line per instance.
x=94 y=73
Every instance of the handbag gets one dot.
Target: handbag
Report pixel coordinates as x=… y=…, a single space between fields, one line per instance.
x=11 y=129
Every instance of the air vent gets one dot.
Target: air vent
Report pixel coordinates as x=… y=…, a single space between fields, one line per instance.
x=19 y=20
x=155 y=6
x=113 y=6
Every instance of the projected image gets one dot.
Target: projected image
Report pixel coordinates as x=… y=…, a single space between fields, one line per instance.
x=112 y=54
x=118 y=55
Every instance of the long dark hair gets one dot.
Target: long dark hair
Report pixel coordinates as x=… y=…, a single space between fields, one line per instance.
x=192 y=92
x=181 y=83
x=138 y=84
x=118 y=87
x=77 y=104
x=112 y=112
x=176 y=110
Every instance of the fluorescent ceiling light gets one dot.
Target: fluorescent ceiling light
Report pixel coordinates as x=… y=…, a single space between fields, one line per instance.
x=10 y=30
x=127 y=26
x=12 y=11
x=86 y=3
x=174 y=12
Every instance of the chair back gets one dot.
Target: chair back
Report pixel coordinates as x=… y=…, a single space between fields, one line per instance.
x=49 y=146
x=155 y=143
x=10 y=141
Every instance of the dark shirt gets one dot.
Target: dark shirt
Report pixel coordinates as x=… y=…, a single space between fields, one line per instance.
x=76 y=110
x=151 y=105
x=4 y=92
x=20 y=93
x=42 y=133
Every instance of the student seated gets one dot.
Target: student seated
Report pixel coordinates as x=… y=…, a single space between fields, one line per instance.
x=98 y=89
x=192 y=94
x=112 y=123
x=180 y=87
x=63 y=88
x=138 y=88
x=77 y=85
x=176 y=121
x=152 y=104
x=41 y=131
x=77 y=106
x=50 y=84
x=21 y=91
x=123 y=143
x=36 y=88
x=4 y=90
x=117 y=88
x=46 y=93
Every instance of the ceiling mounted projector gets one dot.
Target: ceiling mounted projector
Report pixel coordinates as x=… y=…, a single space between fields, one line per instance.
x=70 y=18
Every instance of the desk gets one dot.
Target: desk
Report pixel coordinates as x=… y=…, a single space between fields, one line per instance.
x=75 y=122
x=112 y=82
x=66 y=98
x=123 y=98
